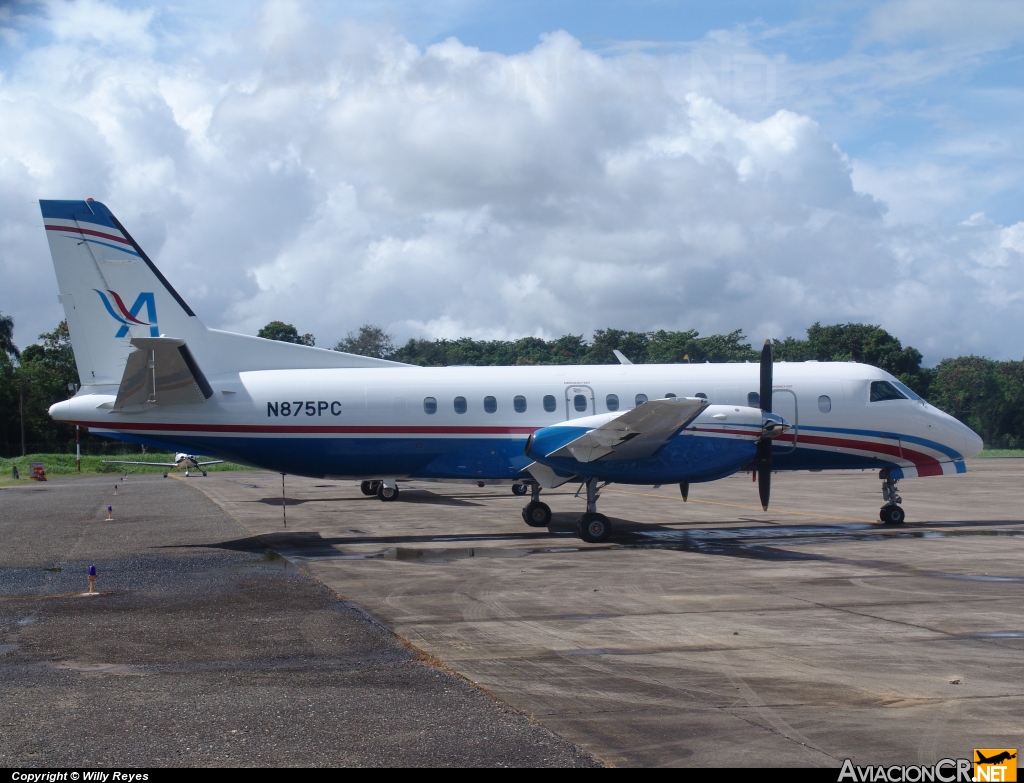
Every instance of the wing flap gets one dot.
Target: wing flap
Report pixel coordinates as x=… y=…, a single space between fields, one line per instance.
x=637 y=433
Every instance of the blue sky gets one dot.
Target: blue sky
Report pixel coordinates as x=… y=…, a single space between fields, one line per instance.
x=861 y=161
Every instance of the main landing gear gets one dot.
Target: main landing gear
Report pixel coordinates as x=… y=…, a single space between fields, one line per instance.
x=593 y=528
x=891 y=513
x=535 y=514
x=384 y=490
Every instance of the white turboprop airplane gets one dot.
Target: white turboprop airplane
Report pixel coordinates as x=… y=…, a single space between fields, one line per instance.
x=152 y=373
x=181 y=460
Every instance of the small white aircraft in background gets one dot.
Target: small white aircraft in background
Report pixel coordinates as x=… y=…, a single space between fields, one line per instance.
x=181 y=461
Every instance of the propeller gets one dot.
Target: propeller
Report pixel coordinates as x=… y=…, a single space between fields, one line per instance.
x=764 y=445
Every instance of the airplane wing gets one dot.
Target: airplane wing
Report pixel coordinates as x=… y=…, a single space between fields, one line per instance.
x=637 y=433
x=211 y=462
x=129 y=462
x=161 y=372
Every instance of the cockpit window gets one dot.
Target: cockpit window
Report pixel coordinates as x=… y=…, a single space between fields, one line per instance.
x=906 y=390
x=883 y=390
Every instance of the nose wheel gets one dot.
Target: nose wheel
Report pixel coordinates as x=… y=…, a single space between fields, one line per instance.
x=891 y=513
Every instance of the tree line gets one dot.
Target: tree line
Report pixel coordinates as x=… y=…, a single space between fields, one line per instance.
x=985 y=394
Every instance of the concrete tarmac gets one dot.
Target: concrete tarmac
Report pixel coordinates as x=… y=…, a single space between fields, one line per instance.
x=205 y=649
x=705 y=633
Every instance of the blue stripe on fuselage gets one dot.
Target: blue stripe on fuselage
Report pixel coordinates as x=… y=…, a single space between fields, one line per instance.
x=690 y=457
x=931 y=444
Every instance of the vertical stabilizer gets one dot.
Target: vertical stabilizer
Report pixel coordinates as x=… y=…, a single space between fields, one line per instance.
x=110 y=289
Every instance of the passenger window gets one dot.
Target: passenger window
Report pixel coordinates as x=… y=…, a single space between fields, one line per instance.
x=670 y=396
x=490 y=404
x=549 y=403
x=460 y=404
x=702 y=395
x=612 y=401
x=580 y=403
x=883 y=390
x=824 y=403
x=429 y=405
x=753 y=400
x=641 y=399
x=519 y=403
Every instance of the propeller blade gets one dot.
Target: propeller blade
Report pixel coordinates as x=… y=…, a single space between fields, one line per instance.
x=764 y=485
x=684 y=490
x=764 y=446
x=764 y=471
x=766 y=377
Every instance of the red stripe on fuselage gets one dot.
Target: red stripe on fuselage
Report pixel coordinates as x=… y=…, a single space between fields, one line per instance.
x=925 y=464
x=90 y=232
x=310 y=429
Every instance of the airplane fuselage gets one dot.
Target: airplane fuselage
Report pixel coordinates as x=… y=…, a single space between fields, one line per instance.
x=473 y=422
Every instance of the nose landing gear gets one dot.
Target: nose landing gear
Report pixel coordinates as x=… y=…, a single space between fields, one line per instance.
x=891 y=513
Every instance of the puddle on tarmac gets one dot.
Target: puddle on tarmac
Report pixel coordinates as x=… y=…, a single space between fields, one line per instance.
x=978 y=577
x=598 y=651
x=448 y=555
x=268 y=557
x=100 y=668
x=757 y=542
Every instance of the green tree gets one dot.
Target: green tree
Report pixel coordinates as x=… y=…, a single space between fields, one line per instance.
x=7 y=346
x=1010 y=431
x=865 y=343
x=370 y=340
x=968 y=388
x=633 y=346
x=44 y=374
x=285 y=333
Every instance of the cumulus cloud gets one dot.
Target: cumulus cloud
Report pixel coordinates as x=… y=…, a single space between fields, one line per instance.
x=330 y=174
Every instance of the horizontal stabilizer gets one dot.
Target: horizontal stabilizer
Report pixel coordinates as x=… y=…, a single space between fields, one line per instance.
x=162 y=371
x=637 y=433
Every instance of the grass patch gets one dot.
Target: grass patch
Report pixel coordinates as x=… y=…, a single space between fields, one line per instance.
x=64 y=464
x=1001 y=453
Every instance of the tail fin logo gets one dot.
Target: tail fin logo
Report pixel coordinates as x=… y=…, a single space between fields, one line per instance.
x=128 y=317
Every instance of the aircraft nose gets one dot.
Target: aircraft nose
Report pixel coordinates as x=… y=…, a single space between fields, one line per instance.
x=973 y=443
